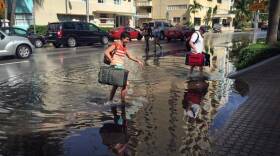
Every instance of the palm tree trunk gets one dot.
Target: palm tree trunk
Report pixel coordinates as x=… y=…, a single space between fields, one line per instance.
x=274 y=12
x=13 y=12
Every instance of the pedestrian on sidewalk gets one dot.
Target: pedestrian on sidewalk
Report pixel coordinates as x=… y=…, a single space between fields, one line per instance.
x=197 y=45
x=120 y=51
x=156 y=34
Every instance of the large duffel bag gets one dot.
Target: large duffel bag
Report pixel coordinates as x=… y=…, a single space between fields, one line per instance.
x=196 y=59
x=112 y=76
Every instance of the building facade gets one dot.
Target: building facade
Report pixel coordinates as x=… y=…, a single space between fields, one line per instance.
x=104 y=13
x=143 y=12
x=177 y=12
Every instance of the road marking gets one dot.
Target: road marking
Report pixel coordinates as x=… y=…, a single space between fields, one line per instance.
x=13 y=63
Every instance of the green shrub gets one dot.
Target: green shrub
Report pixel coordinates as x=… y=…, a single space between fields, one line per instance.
x=105 y=28
x=40 y=29
x=255 y=53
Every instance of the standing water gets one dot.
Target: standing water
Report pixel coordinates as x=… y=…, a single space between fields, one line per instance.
x=168 y=112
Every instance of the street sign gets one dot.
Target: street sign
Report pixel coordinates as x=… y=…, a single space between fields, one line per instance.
x=258 y=6
x=2 y=4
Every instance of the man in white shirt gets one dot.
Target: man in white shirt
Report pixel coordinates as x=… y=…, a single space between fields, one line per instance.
x=197 y=44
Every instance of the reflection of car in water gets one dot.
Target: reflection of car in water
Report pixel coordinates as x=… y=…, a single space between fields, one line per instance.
x=114 y=135
x=192 y=103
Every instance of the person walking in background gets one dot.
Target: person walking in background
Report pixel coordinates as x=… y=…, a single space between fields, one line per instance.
x=156 y=34
x=197 y=45
x=147 y=32
x=116 y=54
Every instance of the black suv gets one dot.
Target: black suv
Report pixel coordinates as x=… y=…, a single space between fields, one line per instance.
x=73 y=33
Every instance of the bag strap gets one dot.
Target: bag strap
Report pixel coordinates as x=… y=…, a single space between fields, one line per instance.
x=197 y=37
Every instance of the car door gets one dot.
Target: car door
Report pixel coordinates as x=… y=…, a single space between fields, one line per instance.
x=131 y=33
x=94 y=32
x=3 y=42
x=82 y=32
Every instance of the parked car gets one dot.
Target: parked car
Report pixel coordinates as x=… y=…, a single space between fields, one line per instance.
x=37 y=40
x=174 y=33
x=116 y=33
x=72 y=34
x=15 y=45
x=162 y=26
x=178 y=33
x=217 y=28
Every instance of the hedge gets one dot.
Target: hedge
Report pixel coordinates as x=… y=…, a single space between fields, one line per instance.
x=255 y=53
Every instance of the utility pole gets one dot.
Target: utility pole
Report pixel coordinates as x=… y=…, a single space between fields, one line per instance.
x=33 y=14
x=6 y=13
x=66 y=6
x=87 y=9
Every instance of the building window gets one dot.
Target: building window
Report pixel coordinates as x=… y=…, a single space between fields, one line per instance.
x=176 y=19
x=197 y=21
x=129 y=0
x=118 y=2
x=100 y=1
x=219 y=1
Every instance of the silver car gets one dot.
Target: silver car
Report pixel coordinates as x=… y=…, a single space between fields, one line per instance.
x=15 y=45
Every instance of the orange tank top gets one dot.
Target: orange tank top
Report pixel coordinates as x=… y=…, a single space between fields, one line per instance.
x=119 y=55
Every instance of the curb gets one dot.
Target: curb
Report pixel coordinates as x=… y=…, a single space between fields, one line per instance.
x=242 y=71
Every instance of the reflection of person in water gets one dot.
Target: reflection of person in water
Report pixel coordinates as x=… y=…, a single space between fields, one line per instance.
x=114 y=135
x=193 y=96
x=196 y=140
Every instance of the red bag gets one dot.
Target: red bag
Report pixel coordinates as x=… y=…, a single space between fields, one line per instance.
x=196 y=59
x=193 y=97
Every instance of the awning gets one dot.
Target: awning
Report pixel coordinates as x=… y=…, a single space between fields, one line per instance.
x=73 y=14
x=114 y=13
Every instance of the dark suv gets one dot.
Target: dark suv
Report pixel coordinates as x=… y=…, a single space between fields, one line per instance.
x=72 y=34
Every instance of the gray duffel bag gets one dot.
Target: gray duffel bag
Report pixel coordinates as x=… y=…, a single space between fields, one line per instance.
x=113 y=76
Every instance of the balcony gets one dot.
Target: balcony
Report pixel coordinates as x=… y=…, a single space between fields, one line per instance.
x=144 y=15
x=144 y=4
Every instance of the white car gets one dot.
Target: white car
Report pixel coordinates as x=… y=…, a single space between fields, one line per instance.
x=15 y=45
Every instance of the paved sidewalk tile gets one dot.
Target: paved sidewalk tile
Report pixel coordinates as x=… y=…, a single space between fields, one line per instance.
x=256 y=124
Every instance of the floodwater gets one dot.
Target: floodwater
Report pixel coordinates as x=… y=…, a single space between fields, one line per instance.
x=168 y=112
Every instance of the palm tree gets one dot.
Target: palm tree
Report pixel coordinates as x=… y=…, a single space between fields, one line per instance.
x=208 y=16
x=193 y=8
x=13 y=12
x=242 y=12
x=274 y=13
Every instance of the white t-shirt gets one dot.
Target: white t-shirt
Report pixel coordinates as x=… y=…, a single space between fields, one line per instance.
x=199 y=44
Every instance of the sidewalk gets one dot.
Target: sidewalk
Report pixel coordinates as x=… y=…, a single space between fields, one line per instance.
x=254 y=128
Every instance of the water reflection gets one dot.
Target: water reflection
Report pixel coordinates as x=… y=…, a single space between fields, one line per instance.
x=114 y=135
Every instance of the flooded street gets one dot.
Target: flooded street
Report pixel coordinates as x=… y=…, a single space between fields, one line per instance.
x=53 y=104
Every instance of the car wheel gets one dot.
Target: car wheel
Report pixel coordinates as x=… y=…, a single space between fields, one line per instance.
x=139 y=37
x=38 y=43
x=162 y=36
x=168 y=39
x=23 y=51
x=104 y=40
x=56 y=45
x=71 y=42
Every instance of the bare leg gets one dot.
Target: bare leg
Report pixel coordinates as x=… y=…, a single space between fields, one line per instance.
x=191 y=71
x=123 y=93
x=113 y=92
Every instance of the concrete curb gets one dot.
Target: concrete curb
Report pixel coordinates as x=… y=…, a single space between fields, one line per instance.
x=243 y=71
